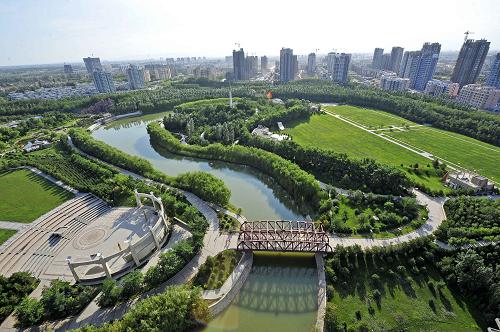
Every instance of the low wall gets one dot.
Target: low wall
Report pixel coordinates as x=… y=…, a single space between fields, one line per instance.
x=320 y=318
x=219 y=306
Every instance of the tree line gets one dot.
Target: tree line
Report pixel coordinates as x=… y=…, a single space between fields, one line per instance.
x=302 y=186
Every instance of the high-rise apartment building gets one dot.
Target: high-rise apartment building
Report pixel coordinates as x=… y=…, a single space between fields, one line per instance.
x=158 y=72
x=287 y=65
x=103 y=81
x=409 y=66
x=135 y=77
x=338 y=66
x=239 y=65
x=478 y=96
x=396 y=56
x=68 y=69
x=394 y=83
x=377 y=58
x=92 y=64
x=427 y=65
x=252 y=66
x=311 y=64
x=264 y=64
x=494 y=75
x=470 y=61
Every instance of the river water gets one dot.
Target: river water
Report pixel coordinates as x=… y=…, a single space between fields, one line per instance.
x=280 y=294
x=257 y=194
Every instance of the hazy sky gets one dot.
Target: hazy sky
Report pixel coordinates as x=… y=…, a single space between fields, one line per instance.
x=50 y=31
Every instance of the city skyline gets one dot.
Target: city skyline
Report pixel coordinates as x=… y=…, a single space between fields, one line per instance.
x=43 y=32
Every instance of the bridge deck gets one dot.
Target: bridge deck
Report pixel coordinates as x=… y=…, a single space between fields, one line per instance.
x=282 y=235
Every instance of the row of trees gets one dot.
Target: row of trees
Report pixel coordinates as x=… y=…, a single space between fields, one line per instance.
x=476 y=124
x=302 y=186
x=337 y=169
x=205 y=185
x=470 y=219
x=147 y=101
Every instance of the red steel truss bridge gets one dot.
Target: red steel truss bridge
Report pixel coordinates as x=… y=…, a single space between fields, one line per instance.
x=282 y=235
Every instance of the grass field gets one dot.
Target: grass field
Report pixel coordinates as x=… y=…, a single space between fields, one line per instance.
x=5 y=234
x=408 y=301
x=25 y=196
x=454 y=148
x=368 y=117
x=328 y=132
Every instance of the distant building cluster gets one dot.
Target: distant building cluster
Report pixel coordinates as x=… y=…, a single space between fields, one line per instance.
x=470 y=181
x=417 y=69
x=79 y=90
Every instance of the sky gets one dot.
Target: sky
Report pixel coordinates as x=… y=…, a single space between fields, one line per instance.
x=56 y=31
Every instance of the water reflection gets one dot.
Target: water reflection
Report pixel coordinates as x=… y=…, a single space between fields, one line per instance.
x=280 y=294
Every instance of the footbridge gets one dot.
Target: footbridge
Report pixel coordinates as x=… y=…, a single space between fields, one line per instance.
x=283 y=235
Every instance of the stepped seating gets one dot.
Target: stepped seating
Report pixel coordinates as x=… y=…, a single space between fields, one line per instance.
x=35 y=248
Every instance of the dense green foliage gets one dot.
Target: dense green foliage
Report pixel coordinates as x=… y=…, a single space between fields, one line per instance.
x=475 y=273
x=204 y=185
x=360 y=213
x=156 y=100
x=470 y=219
x=301 y=185
x=178 y=309
x=13 y=290
x=476 y=124
x=58 y=301
x=214 y=272
x=393 y=288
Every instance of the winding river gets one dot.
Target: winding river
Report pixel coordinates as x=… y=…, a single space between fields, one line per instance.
x=280 y=293
x=257 y=194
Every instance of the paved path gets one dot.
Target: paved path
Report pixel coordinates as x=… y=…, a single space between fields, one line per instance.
x=13 y=225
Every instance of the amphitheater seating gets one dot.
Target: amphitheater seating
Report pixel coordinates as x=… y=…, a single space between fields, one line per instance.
x=35 y=248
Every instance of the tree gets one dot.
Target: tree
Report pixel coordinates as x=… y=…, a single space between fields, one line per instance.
x=29 y=312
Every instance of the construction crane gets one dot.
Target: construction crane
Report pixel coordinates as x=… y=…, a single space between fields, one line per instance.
x=467 y=33
x=237 y=44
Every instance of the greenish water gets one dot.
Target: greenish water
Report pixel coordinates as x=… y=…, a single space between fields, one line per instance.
x=280 y=294
x=258 y=195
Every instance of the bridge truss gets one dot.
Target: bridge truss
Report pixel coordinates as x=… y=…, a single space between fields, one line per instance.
x=280 y=235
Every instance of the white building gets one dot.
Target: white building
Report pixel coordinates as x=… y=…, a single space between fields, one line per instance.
x=479 y=96
x=437 y=87
x=394 y=83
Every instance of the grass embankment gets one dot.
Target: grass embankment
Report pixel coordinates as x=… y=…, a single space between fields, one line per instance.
x=25 y=196
x=214 y=272
x=400 y=294
x=5 y=234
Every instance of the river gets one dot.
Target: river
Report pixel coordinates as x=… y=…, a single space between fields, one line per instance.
x=257 y=194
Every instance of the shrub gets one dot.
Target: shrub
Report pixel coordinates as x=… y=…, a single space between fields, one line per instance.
x=29 y=312
x=131 y=285
x=331 y=323
x=13 y=290
x=330 y=291
x=110 y=294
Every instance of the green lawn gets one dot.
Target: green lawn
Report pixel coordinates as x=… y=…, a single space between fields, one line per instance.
x=5 y=234
x=368 y=117
x=409 y=301
x=457 y=149
x=25 y=196
x=328 y=132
